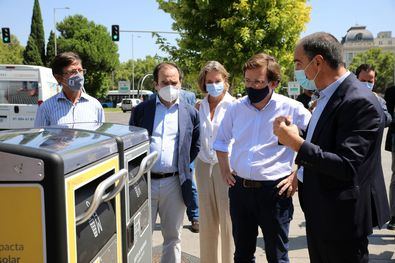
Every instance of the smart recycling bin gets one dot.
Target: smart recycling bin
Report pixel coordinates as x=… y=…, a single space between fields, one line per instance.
x=133 y=146
x=60 y=196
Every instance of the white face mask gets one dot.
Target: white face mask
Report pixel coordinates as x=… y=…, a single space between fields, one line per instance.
x=169 y=93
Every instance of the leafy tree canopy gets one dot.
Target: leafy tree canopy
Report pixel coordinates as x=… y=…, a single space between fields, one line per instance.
x=94 y=45
x=231 y=31
x=142 y=67
x=50 y=54
x=11 y=53
x=37 y=31
x=382 y=61
x=31 y=55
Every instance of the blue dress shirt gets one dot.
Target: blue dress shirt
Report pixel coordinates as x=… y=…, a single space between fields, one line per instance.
x=325 y=95
x=164 y=138
x=60 y=110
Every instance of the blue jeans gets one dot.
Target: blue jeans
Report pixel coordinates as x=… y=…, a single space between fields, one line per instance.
x=193 y=208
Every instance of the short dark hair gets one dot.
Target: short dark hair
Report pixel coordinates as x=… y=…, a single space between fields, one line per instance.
x=365 y=67
x=165 y=64
x=326 y=45
x=63 y=60
x=262 y=60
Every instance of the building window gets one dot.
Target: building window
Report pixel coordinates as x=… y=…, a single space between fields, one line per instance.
x=380 y=42
x=358 y=36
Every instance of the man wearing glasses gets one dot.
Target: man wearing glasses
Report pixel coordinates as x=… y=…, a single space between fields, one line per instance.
x=72 y=104
x=260 y=170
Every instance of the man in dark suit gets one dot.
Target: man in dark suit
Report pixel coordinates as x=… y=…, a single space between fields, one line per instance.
x=173 y=126
x=390 y=146
x=343 y=193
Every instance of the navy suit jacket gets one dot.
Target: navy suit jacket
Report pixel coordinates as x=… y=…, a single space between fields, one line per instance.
x=343 y=192
x=143 y=116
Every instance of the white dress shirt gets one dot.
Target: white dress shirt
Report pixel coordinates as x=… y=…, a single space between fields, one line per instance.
x=209 y=128
x=164 y=138
x=256 y=154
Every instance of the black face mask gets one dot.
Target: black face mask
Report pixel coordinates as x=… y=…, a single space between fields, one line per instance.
x=257 y=95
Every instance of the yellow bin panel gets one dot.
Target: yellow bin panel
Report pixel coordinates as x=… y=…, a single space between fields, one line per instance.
x=22 y=237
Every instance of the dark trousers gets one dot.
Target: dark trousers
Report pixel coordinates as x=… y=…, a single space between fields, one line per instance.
x=337 y=251
x=251 y=208
x=193 y=207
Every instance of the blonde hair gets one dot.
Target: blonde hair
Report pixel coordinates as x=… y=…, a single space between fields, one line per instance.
x=212 y=66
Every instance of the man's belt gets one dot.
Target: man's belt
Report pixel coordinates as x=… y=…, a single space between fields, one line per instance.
x=164 y=175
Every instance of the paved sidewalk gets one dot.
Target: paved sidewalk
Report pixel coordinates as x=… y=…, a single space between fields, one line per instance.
x=381 y=242
x=381 y=248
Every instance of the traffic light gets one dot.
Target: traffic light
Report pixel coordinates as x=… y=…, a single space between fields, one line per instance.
x=5 y=34
x=115 y=32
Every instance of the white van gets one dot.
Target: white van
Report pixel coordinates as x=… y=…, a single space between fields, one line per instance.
x=22 y=89
x=128 y=104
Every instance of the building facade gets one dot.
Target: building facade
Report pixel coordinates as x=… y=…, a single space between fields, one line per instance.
x=358 y=39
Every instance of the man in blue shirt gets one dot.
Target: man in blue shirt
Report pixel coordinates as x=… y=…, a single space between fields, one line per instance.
x=174 y=129
x=72 y=104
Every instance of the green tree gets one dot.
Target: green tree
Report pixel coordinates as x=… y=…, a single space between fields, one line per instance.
x=50 y=54
x=31 y=56
x=37 y=35
x=142 y=67
x=382 y=61
x=231 y=31
x=93 y=44
x=11 y=53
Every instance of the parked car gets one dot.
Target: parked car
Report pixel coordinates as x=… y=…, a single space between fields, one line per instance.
x=128 y=104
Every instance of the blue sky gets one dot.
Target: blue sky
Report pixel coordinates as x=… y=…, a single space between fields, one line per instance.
x=334 y=16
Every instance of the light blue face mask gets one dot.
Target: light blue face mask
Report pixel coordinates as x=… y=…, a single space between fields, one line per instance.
x=301 y=78
x=76 y=82
x=215 y=89
x=368 y=85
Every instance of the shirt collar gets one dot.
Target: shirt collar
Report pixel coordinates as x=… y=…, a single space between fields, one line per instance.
x=62 y=96
x=157 y=100
x=331 y=88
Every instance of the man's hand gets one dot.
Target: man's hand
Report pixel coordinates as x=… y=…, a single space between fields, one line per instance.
x=224 y=166
x=229 y=179
x=289 y=184
x=287 y=133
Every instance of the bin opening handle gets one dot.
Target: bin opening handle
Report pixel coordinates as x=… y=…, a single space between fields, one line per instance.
x=101 y=196
x=145 y=165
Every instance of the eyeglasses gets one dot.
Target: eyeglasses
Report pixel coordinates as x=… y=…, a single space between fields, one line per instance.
x=255 y=83
x=75 y=71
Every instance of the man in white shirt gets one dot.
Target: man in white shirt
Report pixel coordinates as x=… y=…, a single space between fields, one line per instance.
x=260 y=170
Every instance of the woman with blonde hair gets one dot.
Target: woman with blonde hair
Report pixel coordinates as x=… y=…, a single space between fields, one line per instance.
x=213 y=192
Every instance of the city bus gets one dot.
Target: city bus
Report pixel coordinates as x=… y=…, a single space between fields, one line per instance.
x=114 y=97
x=22 y=89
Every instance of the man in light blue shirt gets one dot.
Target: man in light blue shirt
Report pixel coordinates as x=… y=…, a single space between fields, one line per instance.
x=71 y=105
x=174 y=129
x=260 y=171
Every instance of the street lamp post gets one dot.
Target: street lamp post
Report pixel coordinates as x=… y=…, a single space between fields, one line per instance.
x=54 y=25
x=133 y=62
x=142 y=83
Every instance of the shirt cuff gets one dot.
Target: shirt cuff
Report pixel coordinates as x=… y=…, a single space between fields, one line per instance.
x=221 y=146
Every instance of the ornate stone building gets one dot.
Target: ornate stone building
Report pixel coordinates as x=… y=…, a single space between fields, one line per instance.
x=358 y=39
